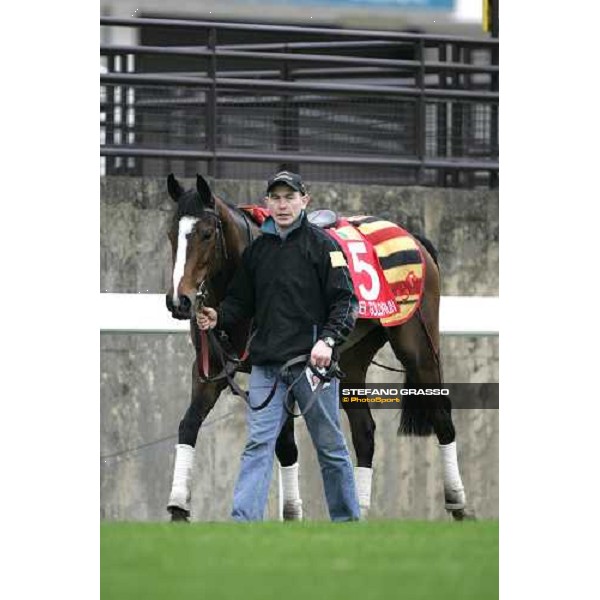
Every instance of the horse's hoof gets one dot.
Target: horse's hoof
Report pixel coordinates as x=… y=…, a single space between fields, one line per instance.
x=292 y=510
x=179 y=515
x=455 y=499
x=463 y=514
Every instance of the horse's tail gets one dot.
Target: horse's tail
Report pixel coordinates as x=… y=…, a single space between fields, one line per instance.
x=429 y=247
x=415 y=419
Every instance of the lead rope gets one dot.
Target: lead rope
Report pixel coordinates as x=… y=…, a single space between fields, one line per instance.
x=324 y=378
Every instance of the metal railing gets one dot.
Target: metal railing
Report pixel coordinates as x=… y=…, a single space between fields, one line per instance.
x=380 y=107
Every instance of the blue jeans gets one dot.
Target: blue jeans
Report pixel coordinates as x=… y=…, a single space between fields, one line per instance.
x=323 y=423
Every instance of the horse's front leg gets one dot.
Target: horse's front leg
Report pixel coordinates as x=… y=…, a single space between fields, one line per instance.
x=204 y=396
x=287 y=455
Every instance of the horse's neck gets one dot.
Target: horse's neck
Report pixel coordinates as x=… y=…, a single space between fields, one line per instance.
x=236 y=239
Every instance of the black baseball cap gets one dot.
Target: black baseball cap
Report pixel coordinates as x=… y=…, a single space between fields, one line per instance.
x=292 y=179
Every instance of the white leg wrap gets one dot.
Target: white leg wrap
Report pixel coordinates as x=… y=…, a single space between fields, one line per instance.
x=453 y=486
x=363 y=477
x=289 y=480
x=181 y=491
x=292 y=504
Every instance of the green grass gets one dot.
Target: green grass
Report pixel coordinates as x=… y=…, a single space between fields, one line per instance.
x=412 y=560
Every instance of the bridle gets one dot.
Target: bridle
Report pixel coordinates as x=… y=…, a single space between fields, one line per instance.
x=217 y=340
x=220 y=243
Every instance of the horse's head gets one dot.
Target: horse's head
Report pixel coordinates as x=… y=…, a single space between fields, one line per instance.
x=196 y=238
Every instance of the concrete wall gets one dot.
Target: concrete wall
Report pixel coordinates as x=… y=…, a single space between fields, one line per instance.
x=145 y=378
x=463 y=225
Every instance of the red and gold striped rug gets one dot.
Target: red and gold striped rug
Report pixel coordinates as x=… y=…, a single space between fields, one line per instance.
x=401 y=260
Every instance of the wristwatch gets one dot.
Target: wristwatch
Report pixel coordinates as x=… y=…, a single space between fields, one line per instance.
x=329 y=341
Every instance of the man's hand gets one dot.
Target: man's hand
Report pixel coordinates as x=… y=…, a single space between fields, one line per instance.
x=206 y=318
x=320 y=355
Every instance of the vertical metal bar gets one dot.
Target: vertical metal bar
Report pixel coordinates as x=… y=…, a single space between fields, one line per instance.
x=442 y=118
x=456 y=117
x=211 y=104
x=289 y=126
x=123 y=105
x=494 y=88
x=110 y=117
x=131 y=98
x=470 y=111
x=421 y=114
x=495 y=21
x=118 y=123
x=294 y=131
x=284 y=98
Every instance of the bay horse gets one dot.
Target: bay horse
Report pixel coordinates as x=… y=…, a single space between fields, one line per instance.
x=208 y=236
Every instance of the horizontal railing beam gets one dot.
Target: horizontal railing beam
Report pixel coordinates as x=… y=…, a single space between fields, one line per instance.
x=245 y=156
x=292 y=86
x=256 y=27
x=337 y=45
x=296 y=72
x=205 y=52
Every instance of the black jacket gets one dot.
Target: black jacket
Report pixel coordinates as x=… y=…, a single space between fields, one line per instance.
x=293 y=290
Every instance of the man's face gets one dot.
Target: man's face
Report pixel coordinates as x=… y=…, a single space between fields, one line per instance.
x=285 y=204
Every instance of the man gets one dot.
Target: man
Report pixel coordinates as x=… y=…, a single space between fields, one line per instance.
x=294 y=282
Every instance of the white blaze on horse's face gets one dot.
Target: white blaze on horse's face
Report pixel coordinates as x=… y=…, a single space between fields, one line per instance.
x=186 y=224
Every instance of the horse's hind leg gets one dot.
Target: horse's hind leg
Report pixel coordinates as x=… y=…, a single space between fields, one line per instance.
x=204 y=396
x=416 y=345
x=355 y=363
x=287 y=455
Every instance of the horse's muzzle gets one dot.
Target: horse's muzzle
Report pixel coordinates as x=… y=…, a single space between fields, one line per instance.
x=182 y=310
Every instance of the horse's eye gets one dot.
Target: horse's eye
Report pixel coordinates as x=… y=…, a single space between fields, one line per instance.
x=206 y=235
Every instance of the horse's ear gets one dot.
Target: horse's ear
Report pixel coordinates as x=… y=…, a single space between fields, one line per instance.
x=175 y=190
x=204 y=192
